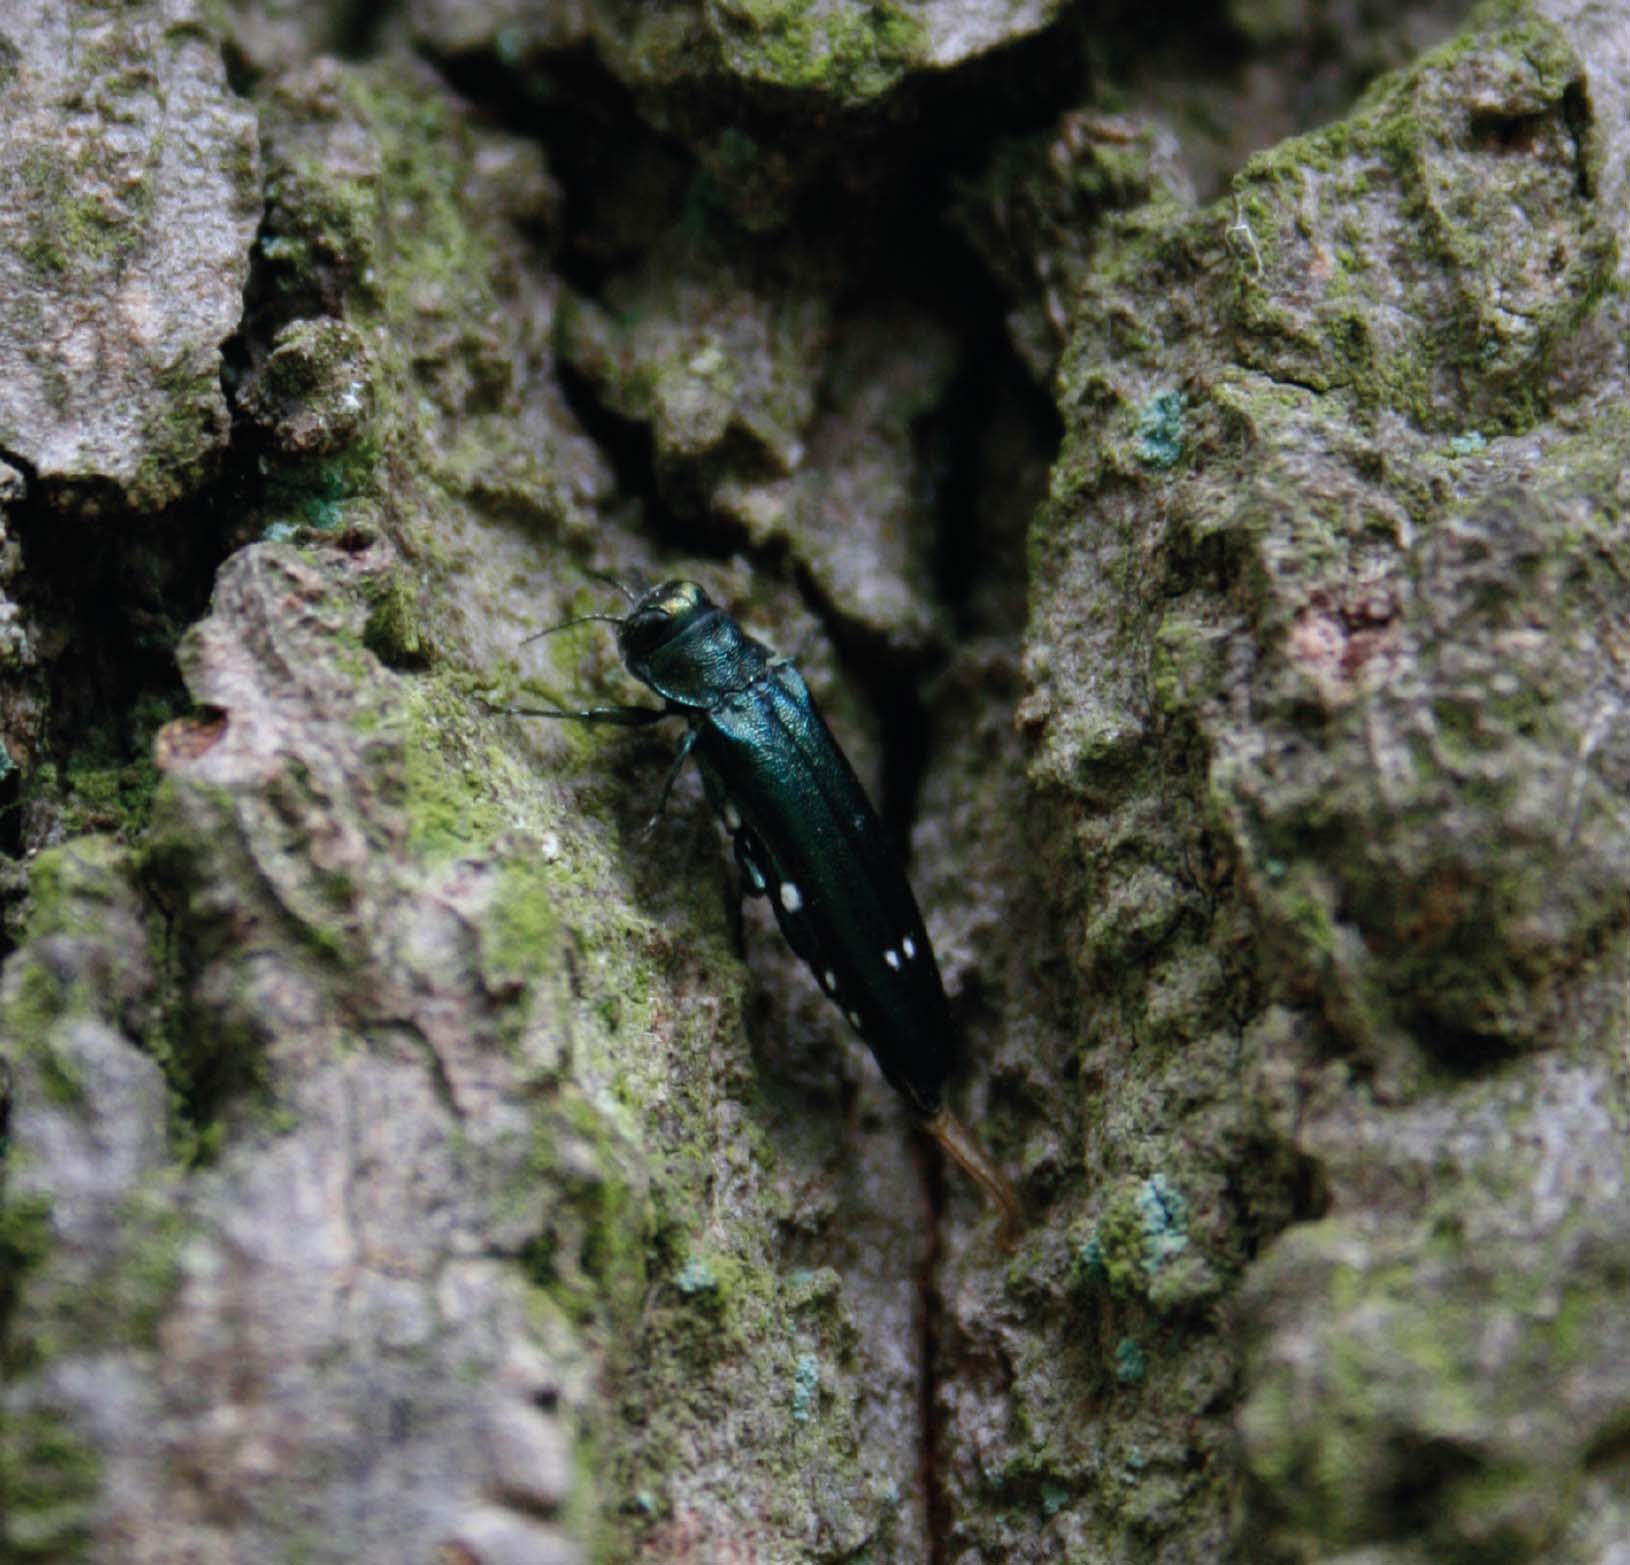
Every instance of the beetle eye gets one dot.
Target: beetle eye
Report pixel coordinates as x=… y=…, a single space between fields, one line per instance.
x=660 y=616
x=644 y=630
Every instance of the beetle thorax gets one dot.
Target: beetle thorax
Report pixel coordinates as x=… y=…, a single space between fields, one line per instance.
x=686 y=648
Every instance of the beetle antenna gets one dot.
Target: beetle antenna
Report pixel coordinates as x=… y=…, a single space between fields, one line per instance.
x=566 y=624
x=614 y=581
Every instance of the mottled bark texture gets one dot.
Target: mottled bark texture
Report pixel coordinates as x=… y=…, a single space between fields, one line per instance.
x=1188 y=458
x=128 y=200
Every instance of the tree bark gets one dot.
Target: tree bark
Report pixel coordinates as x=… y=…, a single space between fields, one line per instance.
x=1185 y=459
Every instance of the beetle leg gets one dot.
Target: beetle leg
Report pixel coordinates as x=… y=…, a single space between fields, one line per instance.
x=686 y=745
x=620 y=716
x=738 y=903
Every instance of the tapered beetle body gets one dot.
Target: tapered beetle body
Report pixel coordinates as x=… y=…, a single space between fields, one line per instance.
x=805 y=836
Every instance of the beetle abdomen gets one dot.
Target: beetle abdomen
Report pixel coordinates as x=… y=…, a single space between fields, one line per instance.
x=809 y=839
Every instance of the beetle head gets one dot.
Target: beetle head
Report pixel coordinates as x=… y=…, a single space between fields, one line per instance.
x=661 y=614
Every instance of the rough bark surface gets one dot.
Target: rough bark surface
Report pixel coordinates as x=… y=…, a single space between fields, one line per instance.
x=1216 y=551
x=129 y=195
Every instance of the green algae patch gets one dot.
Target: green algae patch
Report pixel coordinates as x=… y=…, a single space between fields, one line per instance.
x=1417 y=164
x=72 y=886
x=1383 y=1380
x=25 y=1241
x=104 y=783
x=459 y=782
x=852 y=53
x=391 y=229
x=395 y=631
x=35 y=1000
x=78 y=891
x=84 y=233
x=381 y=249
x=142 y=1286
x=523 y=929
x=118 y=1298
x=50 y=1478
x=313 y=399
x=591 y=1258
x=1445 y=891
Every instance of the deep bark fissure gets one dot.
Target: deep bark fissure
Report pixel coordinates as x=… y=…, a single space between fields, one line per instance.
x=932 y=1169
x=930 y=268
x=119 y=589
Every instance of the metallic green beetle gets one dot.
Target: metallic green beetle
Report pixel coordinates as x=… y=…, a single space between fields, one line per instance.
x=805 y=836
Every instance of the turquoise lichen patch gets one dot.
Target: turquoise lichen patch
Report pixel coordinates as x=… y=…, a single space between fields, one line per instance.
x=510 y=44
x=1091 y=1264
x=1160 y=430
x=1165 y=1222
x=322 y=496
x=1143 y=1229
x=809 y=1290
x=1131 y=1363
x=696 y=1276
x=806 y=1385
